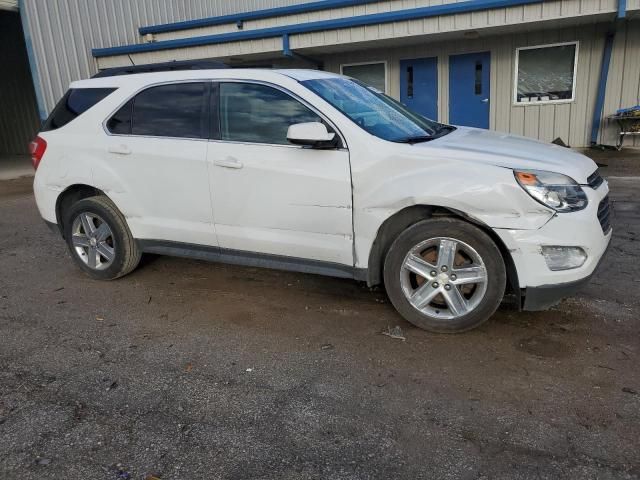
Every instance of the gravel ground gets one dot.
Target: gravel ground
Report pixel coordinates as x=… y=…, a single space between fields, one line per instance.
x=193 y=370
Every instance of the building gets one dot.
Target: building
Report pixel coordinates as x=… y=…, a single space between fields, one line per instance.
x=545 y=69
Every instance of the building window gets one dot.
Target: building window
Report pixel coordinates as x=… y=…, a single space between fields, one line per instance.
x=373 y=74
x=546 y=74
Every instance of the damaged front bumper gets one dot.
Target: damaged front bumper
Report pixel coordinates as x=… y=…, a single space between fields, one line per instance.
x=540 y=287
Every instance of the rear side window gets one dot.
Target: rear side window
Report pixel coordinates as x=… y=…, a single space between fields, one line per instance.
x=176 y=110
x=75 y=102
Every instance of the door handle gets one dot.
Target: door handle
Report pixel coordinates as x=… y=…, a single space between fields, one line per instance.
x=485 y=100
x=120 y=149
x=228 y=163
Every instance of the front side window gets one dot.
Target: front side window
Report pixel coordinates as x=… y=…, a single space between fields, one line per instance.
x=375 y=112
x=75 y=102
x=373 y=74
x=259 y=114
x=176 y=110
x=546 y=73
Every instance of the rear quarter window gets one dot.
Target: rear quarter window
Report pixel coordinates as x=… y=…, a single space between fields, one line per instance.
x=74 y=103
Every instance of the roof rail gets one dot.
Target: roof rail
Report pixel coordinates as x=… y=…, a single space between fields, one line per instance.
x=161 y=67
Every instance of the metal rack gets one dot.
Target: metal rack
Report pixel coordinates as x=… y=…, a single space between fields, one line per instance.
x=628 y=125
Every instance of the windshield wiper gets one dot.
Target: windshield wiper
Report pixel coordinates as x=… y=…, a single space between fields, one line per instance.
x=415 y=139
x=443 y=130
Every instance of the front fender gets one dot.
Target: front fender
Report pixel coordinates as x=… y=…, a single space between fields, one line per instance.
x=488 y=195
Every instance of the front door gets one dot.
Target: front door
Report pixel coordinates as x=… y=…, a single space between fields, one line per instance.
x=469 y=89
x=419 y=85
x=270 y=196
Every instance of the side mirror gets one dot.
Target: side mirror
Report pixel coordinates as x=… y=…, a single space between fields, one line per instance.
x=313 y=134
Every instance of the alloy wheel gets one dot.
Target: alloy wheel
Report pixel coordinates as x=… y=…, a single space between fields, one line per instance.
x=93 y=241
x=443 y=278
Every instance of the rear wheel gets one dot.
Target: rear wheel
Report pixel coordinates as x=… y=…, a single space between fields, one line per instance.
x=445 y=275
x=99 y=240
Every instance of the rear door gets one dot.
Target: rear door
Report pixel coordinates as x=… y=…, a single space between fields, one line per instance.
x=157 y=147
x=268 y=195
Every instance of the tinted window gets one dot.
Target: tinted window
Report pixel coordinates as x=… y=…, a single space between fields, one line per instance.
x=258 y=113
x=75 y=102
x=120 y=122
x=177 y=110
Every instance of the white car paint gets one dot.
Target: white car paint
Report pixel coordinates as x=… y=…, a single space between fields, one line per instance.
x=325 y=205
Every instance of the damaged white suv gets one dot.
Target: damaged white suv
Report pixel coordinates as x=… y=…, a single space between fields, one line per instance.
x=315 y=172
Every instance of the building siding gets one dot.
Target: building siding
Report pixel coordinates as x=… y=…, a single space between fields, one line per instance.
x=65 y=31
x=569 y=121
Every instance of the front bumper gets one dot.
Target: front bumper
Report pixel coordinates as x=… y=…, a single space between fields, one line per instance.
x=542 y=286
x=546 y=296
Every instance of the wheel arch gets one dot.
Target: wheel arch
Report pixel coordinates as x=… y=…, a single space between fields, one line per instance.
x=403 y=219
x=69 y=196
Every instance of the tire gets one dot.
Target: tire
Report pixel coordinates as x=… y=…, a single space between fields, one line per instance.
x=445 y=302
x=109 y=251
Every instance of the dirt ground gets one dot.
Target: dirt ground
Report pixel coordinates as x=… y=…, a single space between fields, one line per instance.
x=192 y=370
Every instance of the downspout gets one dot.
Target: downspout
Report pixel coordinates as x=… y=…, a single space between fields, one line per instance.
x=622 y=9
x=287 y=52
x=602 y=87
x=604 y=72
x=33 y=66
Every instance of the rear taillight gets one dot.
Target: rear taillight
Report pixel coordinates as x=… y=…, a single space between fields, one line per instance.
x=37 y=148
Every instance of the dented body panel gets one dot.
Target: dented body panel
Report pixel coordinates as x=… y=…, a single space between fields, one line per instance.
x=323 y=205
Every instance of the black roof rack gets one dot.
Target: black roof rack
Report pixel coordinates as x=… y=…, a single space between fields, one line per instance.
x=161 y=67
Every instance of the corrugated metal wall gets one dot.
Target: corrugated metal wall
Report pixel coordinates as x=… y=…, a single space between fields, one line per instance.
x=569 y=121
x=18 y=114
x=623 y=86
x=64 y=31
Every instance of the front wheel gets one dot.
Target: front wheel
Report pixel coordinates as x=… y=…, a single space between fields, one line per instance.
x=445 y=275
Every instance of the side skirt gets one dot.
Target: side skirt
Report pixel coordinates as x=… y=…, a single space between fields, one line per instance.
x=251 y=259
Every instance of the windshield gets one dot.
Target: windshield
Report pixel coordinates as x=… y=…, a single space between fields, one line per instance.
x=375 y=112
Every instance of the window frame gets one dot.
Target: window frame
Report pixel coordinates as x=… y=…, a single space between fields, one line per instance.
x=515 y=102
x=214 y=97
x=208 y=122
x=216 y=89
x=374 y=62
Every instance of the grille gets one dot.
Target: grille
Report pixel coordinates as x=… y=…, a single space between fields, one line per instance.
x=595 y=180
x=604 y=215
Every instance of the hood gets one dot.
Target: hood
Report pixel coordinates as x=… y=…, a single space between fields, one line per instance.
x=513 y=151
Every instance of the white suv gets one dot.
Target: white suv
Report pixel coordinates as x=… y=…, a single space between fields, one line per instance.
x=315 y=172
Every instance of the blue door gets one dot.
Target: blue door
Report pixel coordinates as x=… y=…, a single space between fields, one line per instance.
x=419 y=86
x=469 y=89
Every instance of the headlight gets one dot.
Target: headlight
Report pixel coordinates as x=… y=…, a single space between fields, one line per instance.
x=553 y=190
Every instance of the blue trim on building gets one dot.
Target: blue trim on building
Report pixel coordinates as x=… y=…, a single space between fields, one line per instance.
x=239 y=18
x=33 y=66
x=602 y=88
x=357 y=21
x=286 y=50
x=622 y=8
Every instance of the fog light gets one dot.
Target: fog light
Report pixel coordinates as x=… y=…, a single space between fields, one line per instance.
x=564 y=258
